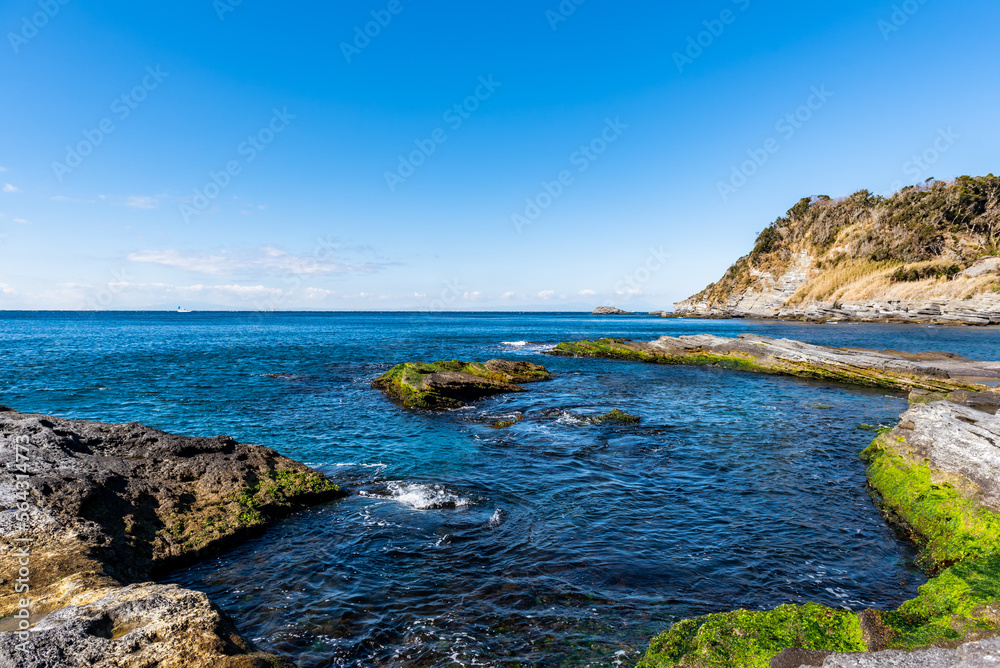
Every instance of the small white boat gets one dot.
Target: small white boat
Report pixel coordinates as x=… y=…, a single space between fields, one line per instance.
x=182 y=310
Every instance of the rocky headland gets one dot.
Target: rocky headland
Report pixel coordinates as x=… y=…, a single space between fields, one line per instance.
x=936 y=475
x=927 y=254
x=451 y=384
x=93 y=512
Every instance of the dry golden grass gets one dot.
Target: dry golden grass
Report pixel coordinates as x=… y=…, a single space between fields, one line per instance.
x=861 y=280
x=847 y=276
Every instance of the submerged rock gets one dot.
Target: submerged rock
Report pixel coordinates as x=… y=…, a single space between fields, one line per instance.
x=618 y=416
x=102 y=506
x=450 y=384
x=932 y=371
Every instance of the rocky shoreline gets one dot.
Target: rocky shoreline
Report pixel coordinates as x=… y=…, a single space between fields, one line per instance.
x=108 y=507
x=981 y=310
x=936 y=475
x=93 y=512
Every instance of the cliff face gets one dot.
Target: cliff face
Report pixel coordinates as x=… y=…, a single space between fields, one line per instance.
x=928 y=253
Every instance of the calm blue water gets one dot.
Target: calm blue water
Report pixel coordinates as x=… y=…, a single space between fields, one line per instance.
x=553 y=543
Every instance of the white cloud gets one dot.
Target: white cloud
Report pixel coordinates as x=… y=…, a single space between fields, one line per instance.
x=3 y=169
x=419 y=295
x=630 y=291
x=236 y=290
x=21 y=221
x=8 y=188
x=267 y=260
x=587 y=292
x=319 y=293
x=546 y=294
x=142 y=202
x=7 y=290
x=63 y=198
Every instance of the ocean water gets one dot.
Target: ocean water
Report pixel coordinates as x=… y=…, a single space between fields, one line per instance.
x=553 y=543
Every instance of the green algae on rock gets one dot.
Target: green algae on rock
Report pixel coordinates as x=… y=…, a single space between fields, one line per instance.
x=450 y=384
x=619 y=416
x=751 y=638
x=936 y=474
x=959 y=605
x=935 y=372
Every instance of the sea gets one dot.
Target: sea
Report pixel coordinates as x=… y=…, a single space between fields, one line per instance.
x=554 y=542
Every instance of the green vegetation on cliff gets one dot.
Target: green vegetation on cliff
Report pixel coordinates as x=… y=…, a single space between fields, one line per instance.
x=858 y=247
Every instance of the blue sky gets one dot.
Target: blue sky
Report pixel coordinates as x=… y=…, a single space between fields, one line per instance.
x=462 y=155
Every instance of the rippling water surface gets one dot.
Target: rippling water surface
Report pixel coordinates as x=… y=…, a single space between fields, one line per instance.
x=553 y=543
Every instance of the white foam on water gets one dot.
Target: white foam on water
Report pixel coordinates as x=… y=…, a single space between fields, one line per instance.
x=568 y=418
x=526 y=346
x=421 y=497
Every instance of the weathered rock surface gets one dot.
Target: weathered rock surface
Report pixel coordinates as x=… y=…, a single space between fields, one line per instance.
x=979 y=654
x=450 y=384
x=955 y=440
x=980 y=310
x=609 y=310
x=137 y=626
x=890 y=369
x=108 y=505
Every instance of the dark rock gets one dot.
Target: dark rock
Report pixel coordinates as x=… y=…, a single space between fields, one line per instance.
x=107 y=505
x=610 y=310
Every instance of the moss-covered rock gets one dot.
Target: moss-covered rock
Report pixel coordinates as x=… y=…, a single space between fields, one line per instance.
x=451 y=384
x=937 y=475
x=962 y=603
x=938 y=509
x=932 y=372
x=617 y=416
x=751 y=638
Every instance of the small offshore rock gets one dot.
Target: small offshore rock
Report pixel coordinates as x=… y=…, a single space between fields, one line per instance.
x=451 y=384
